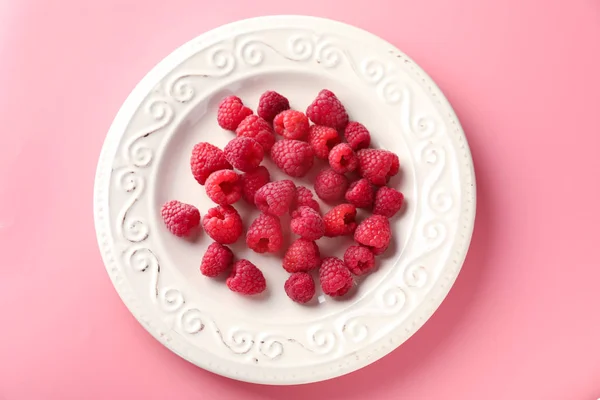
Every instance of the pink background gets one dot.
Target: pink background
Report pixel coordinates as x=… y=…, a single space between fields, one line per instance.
x=522 y=321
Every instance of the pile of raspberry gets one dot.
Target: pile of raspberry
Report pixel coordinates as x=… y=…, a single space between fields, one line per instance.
x=356 y=177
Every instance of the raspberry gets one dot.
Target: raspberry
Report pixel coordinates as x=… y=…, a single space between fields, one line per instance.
x=307 y=223
x=224 y=187
x=207 y=159
x=305 y=198
x=264 y=234
x=246 y=279
x=291 y=124
x=216 y=260
x=276 y=198
x=340 y=220
x=327 y=110
x=359 y=260
x=335 y=278
x=270 y=104
x=395 y=168
x=330 y=186
x=378 y=250
x=375 y=233
x=342 y=158
x=357 y=136
x=360 y=193
x=252 y=181
x=223 y=224
x=302 y=256
x=232 y=112
x=244 y=153
x=377 y=165
x=256 y=128
x=388 y=201
x=293 y=157
x=179 y=217
x=300 y=287
x=322 y=139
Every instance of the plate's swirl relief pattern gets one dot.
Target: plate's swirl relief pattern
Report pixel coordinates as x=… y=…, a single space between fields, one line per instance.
x=394 y=81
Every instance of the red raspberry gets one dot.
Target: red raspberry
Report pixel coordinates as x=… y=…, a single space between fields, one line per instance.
x=216 y=260
x=395 y=168
x=342 y=158
x=357 y=136
x=264 y=234
x=361 y=193
x=327 y=110
x=378 y=250
x=307 y=223
x=276 y=198
x=375 y=233
x=179 y=217
x=322 y=139
x=305 y=198
x=224 y=187
x=252 y=181
x=244 y=153
x=293 y=157
x=232 y=112
x=300 y=287
x=340 y=220
x=246 y=279
x=270 y=104
x=330 y=186
x=291 y=124
x=207 y=159
x=359 y=260
x=256 y=128
x=377 y=165
x=335 y=278
x=388 y=201
x=223 y=224
x=302 y=256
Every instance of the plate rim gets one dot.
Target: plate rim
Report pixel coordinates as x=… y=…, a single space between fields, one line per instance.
x=127 y=110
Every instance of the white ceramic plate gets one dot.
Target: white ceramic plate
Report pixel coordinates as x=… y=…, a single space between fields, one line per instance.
x=270 y=339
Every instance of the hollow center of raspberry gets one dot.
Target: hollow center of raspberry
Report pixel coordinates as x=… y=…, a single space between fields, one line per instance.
x=348 y=219
x=263 y=244
x=226 y=187
x=361 y=265
x=343 y=161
